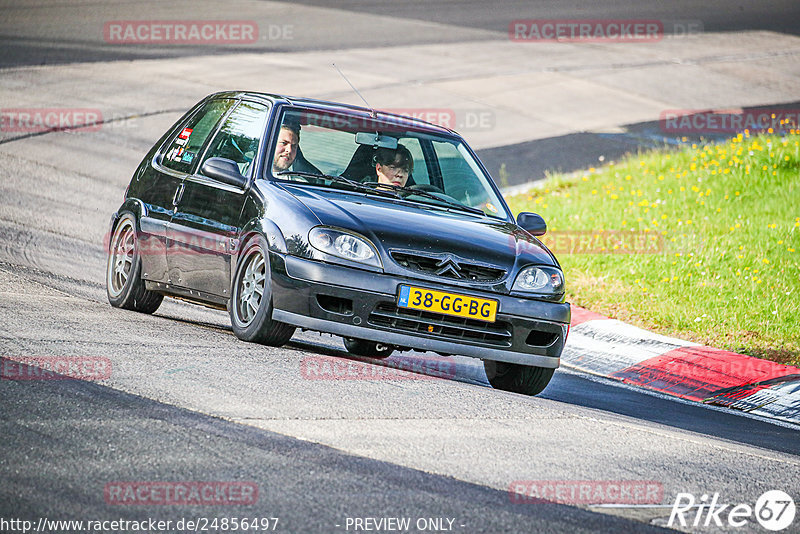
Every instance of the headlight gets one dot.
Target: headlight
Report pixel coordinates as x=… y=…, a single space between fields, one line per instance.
x=344 y=245
x=540 y=280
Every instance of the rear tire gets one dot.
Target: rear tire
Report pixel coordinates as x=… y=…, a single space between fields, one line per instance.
x=517 y=378
x=124 y=285
x=250 y=307
x=368 y=349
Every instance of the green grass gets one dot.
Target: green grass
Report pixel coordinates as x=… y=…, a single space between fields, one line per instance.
x=701 y=244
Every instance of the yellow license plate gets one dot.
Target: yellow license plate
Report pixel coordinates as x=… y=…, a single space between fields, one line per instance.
x=419 y=298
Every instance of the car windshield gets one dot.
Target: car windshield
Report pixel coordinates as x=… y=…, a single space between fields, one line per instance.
x=388 y=155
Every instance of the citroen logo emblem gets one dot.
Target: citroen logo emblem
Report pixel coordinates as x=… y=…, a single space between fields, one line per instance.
x=448 y=267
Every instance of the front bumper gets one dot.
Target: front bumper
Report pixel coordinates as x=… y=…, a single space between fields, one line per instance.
x=361 y=304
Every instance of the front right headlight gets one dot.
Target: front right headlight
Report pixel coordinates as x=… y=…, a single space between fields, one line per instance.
x=539 y=280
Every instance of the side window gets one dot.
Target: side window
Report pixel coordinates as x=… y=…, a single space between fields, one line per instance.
x=183 y=149
x=238 y=138
x=460 y=181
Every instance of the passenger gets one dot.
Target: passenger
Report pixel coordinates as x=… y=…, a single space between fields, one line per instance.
x=393 y=167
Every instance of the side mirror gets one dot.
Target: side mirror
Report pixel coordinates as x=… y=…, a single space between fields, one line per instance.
x=532 y=222
x=224 y=170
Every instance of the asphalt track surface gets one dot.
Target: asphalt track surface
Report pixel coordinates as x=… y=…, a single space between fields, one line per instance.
x=39 y=32
x=188 y=402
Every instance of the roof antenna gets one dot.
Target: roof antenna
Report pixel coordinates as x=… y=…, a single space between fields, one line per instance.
x=374 y=113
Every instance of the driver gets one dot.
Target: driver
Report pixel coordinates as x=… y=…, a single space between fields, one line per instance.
x=288 y=156
x=393 y=166
x=286 y=151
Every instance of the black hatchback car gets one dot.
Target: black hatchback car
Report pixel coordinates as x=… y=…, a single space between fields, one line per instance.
x=382 y=229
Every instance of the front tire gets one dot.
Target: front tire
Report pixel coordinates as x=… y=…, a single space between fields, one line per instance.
x=368 y=349
x=517 y=378
x=124 y=285
x=250 y=307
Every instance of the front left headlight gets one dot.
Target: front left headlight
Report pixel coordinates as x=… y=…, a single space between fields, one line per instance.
x=539 y=279
x=343 y=244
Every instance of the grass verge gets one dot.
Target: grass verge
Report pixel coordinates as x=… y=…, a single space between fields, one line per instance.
x=701 y=244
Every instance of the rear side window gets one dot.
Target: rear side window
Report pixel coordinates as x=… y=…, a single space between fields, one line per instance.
x=186 y=145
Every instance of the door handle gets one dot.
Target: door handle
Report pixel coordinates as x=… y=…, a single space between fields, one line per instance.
x=178 y=194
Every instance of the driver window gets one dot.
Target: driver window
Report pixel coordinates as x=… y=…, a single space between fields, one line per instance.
x=181 y=152
x=238 y=138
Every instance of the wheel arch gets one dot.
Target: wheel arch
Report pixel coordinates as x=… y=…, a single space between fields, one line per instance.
x=267 y=229
x=133 y=206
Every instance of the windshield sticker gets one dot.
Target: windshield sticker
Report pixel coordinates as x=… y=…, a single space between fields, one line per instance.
x=187 y=157
x=490 y=207
x=181 y=142
x=185 y=133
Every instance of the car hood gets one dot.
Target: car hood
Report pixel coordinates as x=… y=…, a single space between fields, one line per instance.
x=406 y=226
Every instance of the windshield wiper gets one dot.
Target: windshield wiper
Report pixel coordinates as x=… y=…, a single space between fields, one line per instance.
x=427 y=194
x=358 y=186
x=365 y=187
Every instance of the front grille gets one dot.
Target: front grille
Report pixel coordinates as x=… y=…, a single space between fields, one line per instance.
x=448 y=267
x=387 y=315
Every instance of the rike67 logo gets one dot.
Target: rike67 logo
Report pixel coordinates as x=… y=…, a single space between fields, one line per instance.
x=774 y=510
